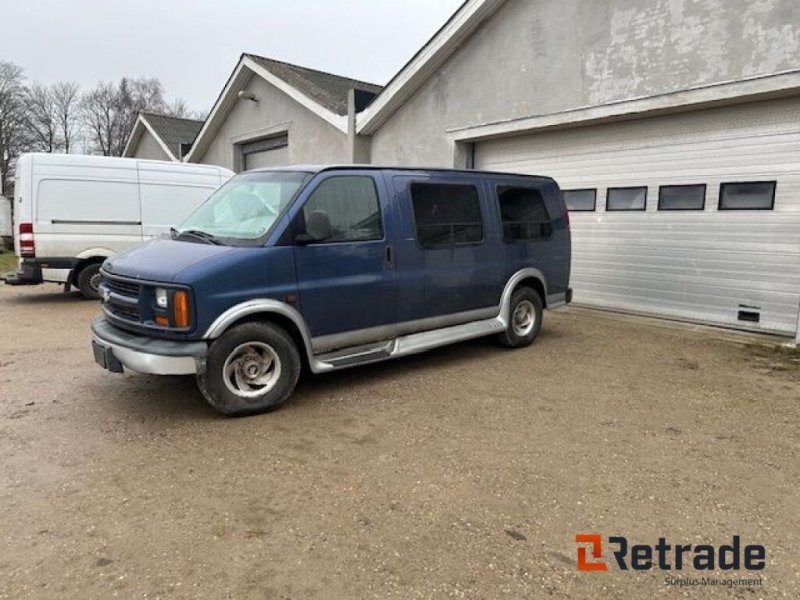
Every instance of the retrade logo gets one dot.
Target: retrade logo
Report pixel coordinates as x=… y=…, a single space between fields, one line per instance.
x=664 y=556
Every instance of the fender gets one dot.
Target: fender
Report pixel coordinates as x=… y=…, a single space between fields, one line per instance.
x=263 y=306
x=95 y=253
x=516 y=278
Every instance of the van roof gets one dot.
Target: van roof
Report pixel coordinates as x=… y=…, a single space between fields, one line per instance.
x=337 y=167
x=90 y=159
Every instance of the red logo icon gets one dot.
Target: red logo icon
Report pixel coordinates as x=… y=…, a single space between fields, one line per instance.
x=597 y=552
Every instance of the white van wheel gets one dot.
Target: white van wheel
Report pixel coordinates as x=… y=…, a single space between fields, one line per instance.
x=89 y=281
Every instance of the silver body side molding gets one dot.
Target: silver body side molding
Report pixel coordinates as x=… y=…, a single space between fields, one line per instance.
x=403 y=345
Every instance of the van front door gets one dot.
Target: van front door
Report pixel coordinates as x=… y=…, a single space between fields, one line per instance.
x=344 y=262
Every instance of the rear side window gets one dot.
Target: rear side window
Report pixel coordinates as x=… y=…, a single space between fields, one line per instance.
x=580 y=200
x=682 y=197
x=524 y=214
x=446 y=214
x=344 y=209
x=747 y=196
x=626 y=198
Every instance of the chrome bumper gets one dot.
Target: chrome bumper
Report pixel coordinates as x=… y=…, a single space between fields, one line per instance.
x=114 y=348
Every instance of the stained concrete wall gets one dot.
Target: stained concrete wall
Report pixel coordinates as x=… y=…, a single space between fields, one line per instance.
x=311 y=139
x=536 y=57
x=148 y=147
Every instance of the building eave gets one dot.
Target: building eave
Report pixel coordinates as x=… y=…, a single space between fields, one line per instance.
x=750 y=89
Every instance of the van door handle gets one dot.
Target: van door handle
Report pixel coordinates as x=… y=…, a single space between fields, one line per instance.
x=389 y=257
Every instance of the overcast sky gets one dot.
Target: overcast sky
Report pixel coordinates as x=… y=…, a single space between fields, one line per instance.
x=193 y=45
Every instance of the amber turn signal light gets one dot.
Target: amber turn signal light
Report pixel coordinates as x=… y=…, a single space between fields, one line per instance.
x=180 y=309
x=161 y=321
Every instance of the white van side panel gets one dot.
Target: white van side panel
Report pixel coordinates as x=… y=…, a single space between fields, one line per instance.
x=170 y=193
x=82 y=206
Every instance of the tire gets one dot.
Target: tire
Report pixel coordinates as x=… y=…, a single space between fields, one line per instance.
x=88 y=281
x=524 y=319
x=251 y=368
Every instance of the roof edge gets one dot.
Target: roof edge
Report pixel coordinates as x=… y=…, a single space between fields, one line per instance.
x=423 y=64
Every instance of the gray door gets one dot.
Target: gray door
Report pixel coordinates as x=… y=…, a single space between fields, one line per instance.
x=268 y=152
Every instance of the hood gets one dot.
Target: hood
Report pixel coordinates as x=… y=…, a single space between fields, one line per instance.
x=162 y=259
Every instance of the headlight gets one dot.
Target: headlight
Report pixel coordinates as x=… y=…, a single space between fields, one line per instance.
x=162 y=298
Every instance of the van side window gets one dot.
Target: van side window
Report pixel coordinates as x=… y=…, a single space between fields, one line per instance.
x=524 y=214
x=446 y=214
x=344 y=209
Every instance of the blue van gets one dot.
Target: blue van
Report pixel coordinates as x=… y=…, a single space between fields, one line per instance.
x=326 y=268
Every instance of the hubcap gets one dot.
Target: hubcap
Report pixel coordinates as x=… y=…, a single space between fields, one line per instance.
x=524 y=318
x=252 y=370
x=94 y=282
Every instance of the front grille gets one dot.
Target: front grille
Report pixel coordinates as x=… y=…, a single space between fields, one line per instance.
x=121 y=286
x=123 y=300
x=123 y=312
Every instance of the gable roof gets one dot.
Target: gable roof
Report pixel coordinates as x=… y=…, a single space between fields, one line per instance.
x=324 y=94
x=169 y=132
x=469 y=16
x=327 y=89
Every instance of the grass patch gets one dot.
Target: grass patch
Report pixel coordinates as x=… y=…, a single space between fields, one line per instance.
x=777 y=358
x=8 y=262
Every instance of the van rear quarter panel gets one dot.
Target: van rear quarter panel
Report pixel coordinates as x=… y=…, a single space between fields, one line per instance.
x=551 y=256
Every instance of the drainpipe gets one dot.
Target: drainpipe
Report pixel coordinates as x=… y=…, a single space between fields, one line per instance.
x=358 y=145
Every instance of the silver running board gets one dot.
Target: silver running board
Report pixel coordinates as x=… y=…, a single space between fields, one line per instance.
x=405 y=345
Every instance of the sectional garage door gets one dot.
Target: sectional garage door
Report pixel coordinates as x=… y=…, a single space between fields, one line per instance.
x=732 y=267
x=268 y=152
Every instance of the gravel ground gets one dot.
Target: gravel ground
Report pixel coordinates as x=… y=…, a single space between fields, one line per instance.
x=462 y=473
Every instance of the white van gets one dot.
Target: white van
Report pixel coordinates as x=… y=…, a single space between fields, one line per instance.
x=73 y=212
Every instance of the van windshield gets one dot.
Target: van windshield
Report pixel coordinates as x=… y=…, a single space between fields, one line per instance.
x=243 y=210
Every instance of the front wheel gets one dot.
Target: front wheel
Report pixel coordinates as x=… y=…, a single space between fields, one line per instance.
x=250 y=368
x=524 y=319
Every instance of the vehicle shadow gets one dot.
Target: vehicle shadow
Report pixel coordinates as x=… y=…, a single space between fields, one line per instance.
x=48 y=297
x=178 y=397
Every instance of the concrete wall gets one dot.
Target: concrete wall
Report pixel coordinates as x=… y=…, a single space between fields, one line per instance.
x=149 y=148
x=537 y=57
x=311 y=140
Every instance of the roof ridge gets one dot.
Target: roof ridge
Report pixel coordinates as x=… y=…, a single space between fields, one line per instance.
x=148 y=113
x=296 y=66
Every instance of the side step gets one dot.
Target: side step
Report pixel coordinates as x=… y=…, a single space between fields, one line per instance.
x=405 y=345
x=359 y=355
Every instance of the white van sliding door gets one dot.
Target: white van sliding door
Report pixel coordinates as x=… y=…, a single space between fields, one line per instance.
x=73 y=216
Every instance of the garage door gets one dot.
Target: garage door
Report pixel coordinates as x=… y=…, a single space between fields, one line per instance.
x=707 y=219
x=269 y=152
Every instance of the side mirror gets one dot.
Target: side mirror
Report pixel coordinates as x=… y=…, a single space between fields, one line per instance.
x=303 y=239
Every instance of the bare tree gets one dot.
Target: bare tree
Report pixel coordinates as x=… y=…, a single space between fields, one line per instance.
x=110 y=110
x=40 y=118
x=101 y=111
x=12 y=130
x=66 y=97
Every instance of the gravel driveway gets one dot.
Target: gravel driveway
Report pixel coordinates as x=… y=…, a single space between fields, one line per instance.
x=464 y=473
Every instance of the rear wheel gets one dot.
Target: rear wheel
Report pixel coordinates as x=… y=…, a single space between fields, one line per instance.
x=525 y=319
x=89 y=282
x=250 y=368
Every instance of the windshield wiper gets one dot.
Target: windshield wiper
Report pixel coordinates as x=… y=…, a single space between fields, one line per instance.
x=203 y=236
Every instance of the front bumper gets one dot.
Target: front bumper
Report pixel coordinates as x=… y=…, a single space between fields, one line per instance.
x=115 y=348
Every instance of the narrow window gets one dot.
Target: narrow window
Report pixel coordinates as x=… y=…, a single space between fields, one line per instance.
x=446 y=214
x=524 y=214
x=580 y=200
x=756 y=195
x=344 y=209
x=682 y=197
x=626 y=198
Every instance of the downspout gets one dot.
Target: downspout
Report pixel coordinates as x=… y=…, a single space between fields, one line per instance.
x=358 y=146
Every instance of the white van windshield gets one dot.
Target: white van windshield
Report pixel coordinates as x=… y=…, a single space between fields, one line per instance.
x=243 y=210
